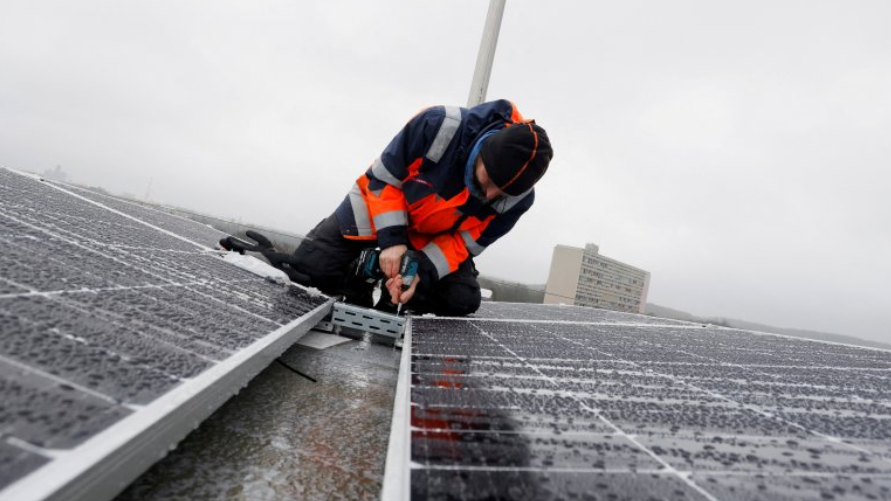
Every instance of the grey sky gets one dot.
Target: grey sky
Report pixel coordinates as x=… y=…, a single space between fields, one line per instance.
x=739 y=152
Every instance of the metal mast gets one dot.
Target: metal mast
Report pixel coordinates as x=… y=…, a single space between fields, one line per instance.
x=487 y=53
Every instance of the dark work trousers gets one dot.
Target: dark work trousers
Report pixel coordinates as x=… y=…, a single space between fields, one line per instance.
x=328 y=260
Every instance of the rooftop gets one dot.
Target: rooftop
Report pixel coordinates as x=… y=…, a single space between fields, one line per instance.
x=121 y=330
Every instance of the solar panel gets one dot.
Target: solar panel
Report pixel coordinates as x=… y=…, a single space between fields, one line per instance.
x=119 y=332
x=618 y=406
x=562 y=313
x=199 y=233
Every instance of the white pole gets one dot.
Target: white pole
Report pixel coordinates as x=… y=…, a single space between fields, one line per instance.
x=487 y=53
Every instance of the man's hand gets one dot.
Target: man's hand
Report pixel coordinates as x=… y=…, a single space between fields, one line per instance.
x=394 y=286
x=390 y=259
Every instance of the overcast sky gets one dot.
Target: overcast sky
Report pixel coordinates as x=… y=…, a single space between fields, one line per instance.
x=739 y=152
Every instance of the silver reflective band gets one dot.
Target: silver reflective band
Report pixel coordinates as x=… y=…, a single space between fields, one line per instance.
x=507 y=203
x=446 y=132
x=391 y=218
x=360 y=212
x=381 y=172
x=473 y=248
x=437 y=257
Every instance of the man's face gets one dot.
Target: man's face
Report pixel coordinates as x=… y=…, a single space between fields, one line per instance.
x=483 y=183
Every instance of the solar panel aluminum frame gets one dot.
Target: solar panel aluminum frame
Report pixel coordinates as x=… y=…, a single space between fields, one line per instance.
x=105 y=465
x=397 y=469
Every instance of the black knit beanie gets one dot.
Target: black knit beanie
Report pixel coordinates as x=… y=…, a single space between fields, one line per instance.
x=517 y=156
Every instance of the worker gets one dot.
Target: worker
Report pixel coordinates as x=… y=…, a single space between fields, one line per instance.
x=452 y=182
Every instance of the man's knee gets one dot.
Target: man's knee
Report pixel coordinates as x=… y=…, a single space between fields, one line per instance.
x=458 y=300
x=327 y=259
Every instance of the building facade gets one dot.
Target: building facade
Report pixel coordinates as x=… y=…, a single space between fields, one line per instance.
x=584 y=277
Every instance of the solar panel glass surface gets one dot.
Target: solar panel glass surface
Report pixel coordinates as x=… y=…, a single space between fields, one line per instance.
x=104 y=309
x=577 y=403
x=154 y=215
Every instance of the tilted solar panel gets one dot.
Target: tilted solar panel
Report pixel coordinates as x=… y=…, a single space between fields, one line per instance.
x=183 y=227
x=600 y=406
x=118 y=335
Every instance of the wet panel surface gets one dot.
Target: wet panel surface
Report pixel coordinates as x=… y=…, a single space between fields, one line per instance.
x=565 y=313
x=804 y=454
x=44 y=412
x=101 y=314
x=512 y=409
x=187 y=228
x=549 y=485
x=521 y=449
x=15 y=463
x=784 y=486
x=57 y=349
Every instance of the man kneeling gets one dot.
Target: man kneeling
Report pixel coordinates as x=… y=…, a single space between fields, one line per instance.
x=452 y=182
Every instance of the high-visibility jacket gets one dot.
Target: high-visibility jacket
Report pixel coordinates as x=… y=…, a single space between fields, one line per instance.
x=415 y=193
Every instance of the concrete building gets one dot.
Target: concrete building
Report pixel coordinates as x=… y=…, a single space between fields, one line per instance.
x=583 y=277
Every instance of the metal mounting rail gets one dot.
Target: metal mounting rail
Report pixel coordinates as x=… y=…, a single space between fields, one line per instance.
x=369 y=320
x=103 y=466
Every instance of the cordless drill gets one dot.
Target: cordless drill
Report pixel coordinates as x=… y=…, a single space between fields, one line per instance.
x=368 y=266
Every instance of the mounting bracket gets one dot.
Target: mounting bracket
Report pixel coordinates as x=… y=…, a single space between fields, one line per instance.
x=369 y=320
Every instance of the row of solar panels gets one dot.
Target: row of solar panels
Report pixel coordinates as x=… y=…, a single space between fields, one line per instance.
x=557 y=402
x=120 y=330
